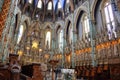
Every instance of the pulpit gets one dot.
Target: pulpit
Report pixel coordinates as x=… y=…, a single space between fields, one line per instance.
x=14 y=67
x=12 y=70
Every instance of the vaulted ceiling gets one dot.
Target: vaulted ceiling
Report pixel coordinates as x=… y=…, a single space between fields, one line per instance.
x=46 y=10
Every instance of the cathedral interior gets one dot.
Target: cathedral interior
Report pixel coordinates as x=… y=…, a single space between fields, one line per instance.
x=59 y=40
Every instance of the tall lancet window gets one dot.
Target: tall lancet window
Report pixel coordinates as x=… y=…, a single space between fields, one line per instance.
x=86 y=26
x=67 y=1
x=20 y=34
x=110 y=22
x=49 y=5
x=60 y=40
x=48 y=39
x=39 y=4
x=59 y=5
x=30 y=1
x=70 y=33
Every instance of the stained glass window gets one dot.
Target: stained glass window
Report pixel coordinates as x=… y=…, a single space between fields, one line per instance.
x=39 y=4
x=110 y=23
x=59 y=5
x=30 y=1
x=70 y=33
x=86 y=26
x=48 y=39
x=20 y=33
x=67 y=1
x=61 y=40
x=49 y=6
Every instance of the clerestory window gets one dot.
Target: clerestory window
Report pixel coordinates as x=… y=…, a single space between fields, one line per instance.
x=109 y=18
x=49 y=6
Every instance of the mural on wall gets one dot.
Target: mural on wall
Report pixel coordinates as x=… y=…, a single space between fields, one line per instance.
x=1 y=3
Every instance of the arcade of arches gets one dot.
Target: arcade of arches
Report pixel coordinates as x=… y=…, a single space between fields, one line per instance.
x=59 y=40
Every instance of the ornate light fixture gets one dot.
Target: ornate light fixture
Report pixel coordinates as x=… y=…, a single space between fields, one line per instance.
x=20 y=52
x=28 y=48
x=35 y=44
x=46 y=56
x=40 y=49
